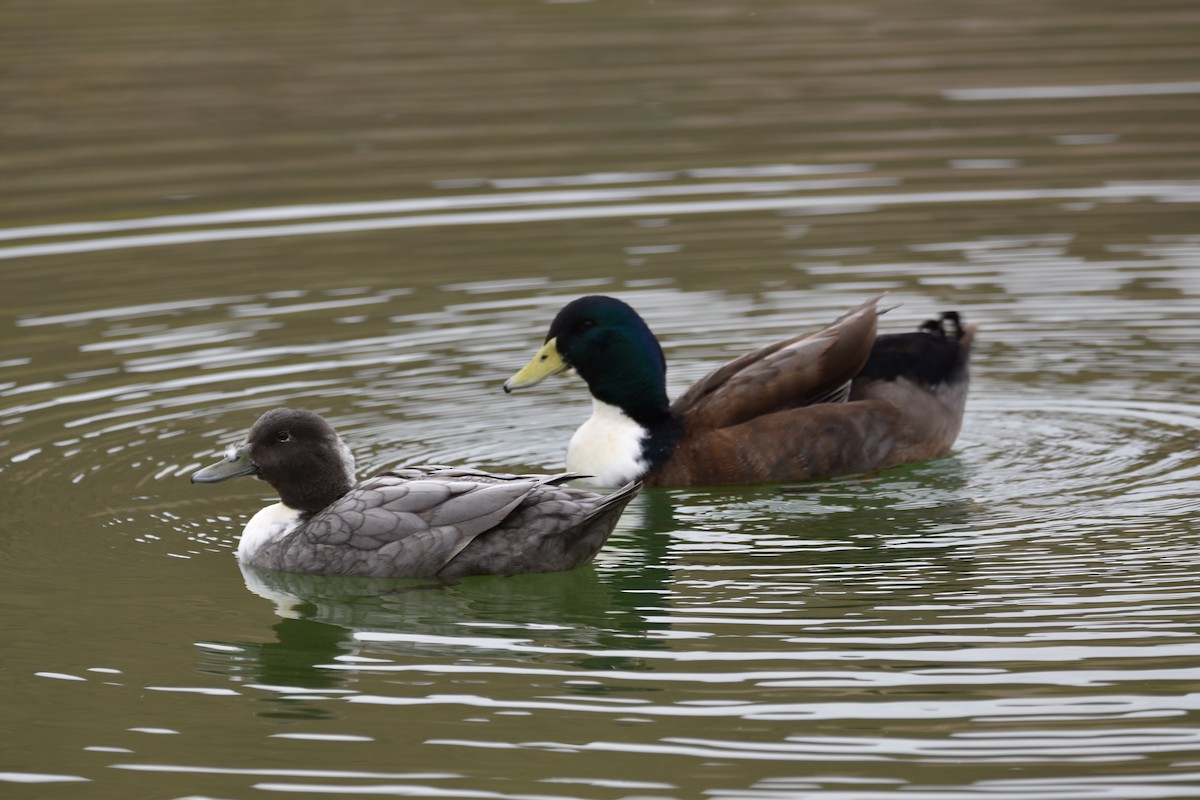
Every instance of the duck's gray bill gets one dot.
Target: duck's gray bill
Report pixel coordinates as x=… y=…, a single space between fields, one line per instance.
x=236 y=463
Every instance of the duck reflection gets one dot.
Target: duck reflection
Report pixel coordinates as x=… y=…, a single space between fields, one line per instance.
x=331 y=629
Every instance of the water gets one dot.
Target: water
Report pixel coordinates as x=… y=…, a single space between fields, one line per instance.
x=373 y=210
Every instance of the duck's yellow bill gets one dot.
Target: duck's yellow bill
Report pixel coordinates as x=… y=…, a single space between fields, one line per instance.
x=545 y=363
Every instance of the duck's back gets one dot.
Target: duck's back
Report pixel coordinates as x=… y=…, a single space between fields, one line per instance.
x=835 y=402
x=805 y=370
x=429 y=521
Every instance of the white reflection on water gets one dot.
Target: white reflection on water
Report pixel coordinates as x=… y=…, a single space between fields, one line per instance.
x=283 y=772
x=864 y=679
x=323 y=737
x=1175 y=191
x=1068 y=92
x=316 y=211
x=39 y=777
x=1065 y=654
x=1034 y=746
x=403 y=790
x=1150 y=787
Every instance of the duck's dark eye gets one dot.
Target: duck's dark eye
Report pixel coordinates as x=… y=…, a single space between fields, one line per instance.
x=283 y=436
x=585 y=325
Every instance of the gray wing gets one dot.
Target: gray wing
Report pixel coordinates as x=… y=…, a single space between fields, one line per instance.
x=555 y=528
x=441 y=471
x=393 y=526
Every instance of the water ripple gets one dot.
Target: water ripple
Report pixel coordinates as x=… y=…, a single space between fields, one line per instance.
x=1173 y=191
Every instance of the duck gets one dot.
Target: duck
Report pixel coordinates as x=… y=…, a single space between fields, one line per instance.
x=840 y=400
x=425 y=521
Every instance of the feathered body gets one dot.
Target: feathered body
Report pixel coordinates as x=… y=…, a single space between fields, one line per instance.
x=412 y=522
x=835 y=401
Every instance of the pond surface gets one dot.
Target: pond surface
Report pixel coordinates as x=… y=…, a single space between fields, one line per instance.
x=374 y=209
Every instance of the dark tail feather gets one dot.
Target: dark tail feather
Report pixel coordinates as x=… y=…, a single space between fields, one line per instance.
x=938 y=352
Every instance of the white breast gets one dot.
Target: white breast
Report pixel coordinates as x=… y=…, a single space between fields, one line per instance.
x=269 y=525
x=608 y=447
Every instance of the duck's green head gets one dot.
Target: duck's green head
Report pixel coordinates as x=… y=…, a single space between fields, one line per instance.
x=605 y=341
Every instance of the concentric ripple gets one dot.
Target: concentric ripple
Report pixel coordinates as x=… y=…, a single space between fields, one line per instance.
x=999 y=622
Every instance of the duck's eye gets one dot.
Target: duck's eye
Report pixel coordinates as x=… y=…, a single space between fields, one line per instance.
x=585 y=325
x=283 y=436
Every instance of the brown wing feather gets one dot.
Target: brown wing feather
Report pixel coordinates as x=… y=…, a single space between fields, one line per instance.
x=806 y=369
x=887 y=422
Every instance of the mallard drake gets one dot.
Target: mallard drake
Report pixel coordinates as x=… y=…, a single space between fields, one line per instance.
x=836 y=401
x=412 y=522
